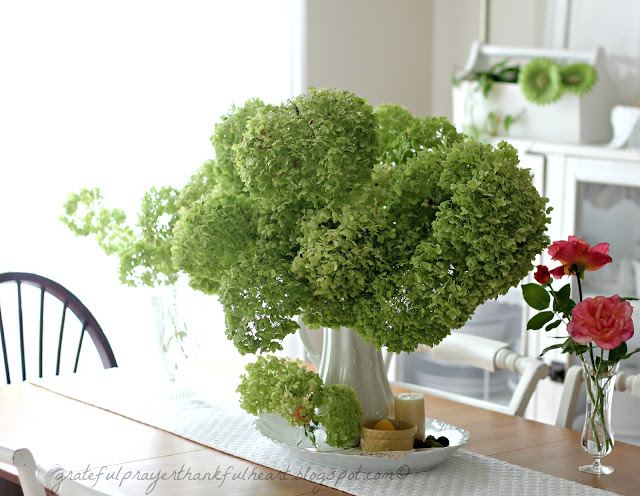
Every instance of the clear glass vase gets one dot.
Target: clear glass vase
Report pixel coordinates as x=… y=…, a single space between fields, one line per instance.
x=170 y=330
x=171 y=338
x=597 y=435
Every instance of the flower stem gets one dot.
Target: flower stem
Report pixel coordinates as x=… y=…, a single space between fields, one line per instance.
x=589 y=381
x=579 y=285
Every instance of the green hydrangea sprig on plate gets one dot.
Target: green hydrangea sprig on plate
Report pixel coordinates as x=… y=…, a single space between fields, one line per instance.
x=286 y=388
x=340 y=414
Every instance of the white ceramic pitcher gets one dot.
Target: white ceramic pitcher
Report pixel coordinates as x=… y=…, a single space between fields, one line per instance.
x=347 y=359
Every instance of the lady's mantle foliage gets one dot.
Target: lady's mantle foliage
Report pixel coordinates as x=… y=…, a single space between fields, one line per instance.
x=373 y=219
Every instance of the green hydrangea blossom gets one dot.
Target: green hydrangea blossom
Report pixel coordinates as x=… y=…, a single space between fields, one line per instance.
x=285 y=387
x=224 y=223
x=277 y=385
x=393 y=120
x=340 y=414
x=310 y=152
x=422 y=135
x=396 y=226
x=340 y=251
x=144 y=249
x=205 y=180
x=259 y=316
x=226 y=136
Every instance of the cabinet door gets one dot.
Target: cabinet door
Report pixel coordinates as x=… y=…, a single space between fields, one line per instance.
x=602 y=205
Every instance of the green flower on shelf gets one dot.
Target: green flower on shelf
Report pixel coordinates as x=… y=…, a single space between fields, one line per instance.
x=578 y=78
x=540 y=81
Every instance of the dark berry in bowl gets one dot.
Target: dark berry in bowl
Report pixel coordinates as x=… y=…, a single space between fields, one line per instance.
x=443 y=441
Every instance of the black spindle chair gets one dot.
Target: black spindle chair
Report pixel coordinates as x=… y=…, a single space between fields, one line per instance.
x=70 y=302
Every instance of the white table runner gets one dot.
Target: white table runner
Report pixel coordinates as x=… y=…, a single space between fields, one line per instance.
x=219 y=423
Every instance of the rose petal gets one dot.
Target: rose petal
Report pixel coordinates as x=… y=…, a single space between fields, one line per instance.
x=606 y=321
x=601 y=248
x=558 y=272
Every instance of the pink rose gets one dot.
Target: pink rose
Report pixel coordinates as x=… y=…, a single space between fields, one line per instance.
x=606 y=321
x=576 y=256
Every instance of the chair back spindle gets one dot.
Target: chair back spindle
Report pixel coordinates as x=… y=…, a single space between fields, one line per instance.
x=69 y=302
x=4 y=351
x=41 y=340
x=21 y=324
x=64 y=314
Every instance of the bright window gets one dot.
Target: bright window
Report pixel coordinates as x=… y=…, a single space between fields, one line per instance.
x=122 y=95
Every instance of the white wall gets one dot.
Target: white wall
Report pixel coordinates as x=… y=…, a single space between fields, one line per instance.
x=404 y=51
x=594 y=24
x=380 y=50
x=456 y=26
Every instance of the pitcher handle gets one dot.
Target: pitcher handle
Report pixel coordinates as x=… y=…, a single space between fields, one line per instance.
x=312 y=352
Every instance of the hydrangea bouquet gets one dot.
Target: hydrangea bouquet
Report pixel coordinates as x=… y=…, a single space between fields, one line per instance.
x=598 y=327
x=395 y=226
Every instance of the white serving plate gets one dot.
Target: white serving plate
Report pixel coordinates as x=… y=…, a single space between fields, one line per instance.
x=275 y=428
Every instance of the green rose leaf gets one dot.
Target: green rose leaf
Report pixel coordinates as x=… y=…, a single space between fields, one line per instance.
x=629 y=354
x=618 y=353
x=562 y=301
x=552 y=347
x=570 y=346
x=537 y=321
x=536 y=296
x=553 y=325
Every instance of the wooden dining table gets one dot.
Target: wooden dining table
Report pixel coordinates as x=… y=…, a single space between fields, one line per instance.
x=76 y=435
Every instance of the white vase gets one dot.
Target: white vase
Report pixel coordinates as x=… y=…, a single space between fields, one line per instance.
x=347 y=359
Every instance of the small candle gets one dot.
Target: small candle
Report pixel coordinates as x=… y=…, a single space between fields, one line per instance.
x=410 y=408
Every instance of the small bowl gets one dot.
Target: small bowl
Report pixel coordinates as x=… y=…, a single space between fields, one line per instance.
x=376 y=440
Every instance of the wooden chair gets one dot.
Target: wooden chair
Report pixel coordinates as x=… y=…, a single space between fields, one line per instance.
x=34 y=479
x=70 y=302
x=573 y=380
x=490 y=355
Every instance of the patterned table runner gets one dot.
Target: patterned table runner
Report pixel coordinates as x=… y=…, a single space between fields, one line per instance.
x=218 y=422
